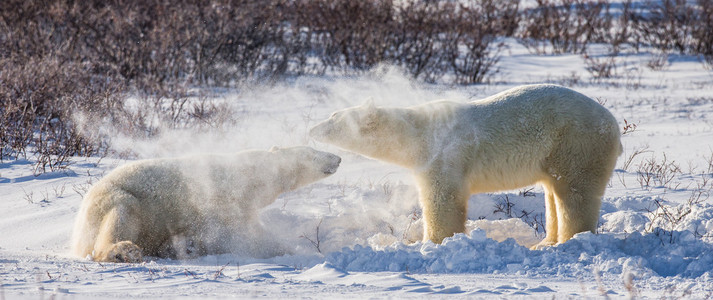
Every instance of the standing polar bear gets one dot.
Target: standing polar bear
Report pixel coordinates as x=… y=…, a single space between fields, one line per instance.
x=531 y=134
x=194 y=205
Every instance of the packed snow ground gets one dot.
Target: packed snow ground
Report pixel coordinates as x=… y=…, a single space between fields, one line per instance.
x=357 y=234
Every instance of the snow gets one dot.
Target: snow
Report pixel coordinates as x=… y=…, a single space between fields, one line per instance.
x=357 y=233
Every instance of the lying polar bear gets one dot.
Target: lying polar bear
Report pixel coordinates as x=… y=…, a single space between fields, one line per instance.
x=544 y=134
x=190 y=206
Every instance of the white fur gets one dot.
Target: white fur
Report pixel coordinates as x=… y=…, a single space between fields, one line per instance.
x=531 y=134
x=188 y=206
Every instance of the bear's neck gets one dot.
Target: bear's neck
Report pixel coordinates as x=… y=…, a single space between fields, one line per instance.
x=408 y=146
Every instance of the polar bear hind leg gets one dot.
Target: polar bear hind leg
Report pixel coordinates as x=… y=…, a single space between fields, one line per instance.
x=550 y=217
x=119 y=227
x=113 y=243
x=574 y=190
x=578 y=206
x=570 y=208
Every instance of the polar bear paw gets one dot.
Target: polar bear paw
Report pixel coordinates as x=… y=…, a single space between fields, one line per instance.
x=125 y=251
x=542 y=245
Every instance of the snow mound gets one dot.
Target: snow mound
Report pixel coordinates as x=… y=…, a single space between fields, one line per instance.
x=501 y=230
x=459 y=254
x=637 y=254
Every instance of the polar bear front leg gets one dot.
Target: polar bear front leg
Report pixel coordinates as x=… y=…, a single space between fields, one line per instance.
x=445 y=207
x=114 y=242
x=550 y=219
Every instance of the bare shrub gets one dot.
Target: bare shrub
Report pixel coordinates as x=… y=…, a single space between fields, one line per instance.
x=506 y=206
x=658 y=61
x=427 y=38
x=316 y=240
x=630 y=158
x=350 y=33
x=418 y=43
x=709 y=162
x=702 y=31
x=667 y=25
x=628 y=127
x=702 y=191
x=567 y=26
x=619 y=32
x=470 y=52
x=665 y=219
x=600 y=67
x=37 y=100
x=677 y=26
x=657 y=173
x=61 y=60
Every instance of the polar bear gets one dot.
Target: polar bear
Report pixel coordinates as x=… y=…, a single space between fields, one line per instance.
x=189 y=206
x=544 y=134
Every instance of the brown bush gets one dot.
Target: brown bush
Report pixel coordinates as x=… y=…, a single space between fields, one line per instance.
x=469 y=49
x=349 y=34
x=37 y=102
x=703 y=31
x=567 y=26
x=156 y=46
x=62 y=58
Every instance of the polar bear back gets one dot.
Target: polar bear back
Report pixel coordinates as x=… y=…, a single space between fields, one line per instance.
x=199 y=179
x=513 y=133
x=549 y=105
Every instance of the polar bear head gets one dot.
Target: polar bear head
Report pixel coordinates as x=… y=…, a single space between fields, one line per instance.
x=353 y=129
x=306 y=164
x=377 y=132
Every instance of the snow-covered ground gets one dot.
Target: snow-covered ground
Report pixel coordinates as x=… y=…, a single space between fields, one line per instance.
x=357 y=233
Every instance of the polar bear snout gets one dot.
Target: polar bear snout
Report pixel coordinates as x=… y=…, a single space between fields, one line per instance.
x=320 y=131
x=332 y=164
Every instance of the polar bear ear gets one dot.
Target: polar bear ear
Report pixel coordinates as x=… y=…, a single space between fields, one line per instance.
x=274 y=149
x=369 y=104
